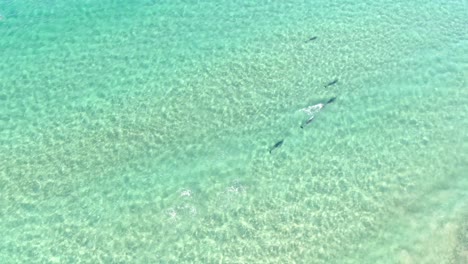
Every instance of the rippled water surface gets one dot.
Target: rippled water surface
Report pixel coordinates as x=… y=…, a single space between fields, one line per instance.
x=140 y=131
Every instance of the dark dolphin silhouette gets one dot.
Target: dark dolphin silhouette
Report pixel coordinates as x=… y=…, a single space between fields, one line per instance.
x=332 y=83
x=311 y=39
x=277 y=145
x=331 y=100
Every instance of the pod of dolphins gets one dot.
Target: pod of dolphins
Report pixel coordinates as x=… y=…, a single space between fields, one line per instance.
x=311 y=110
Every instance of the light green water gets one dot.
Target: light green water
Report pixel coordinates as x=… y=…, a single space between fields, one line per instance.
x=138 y=132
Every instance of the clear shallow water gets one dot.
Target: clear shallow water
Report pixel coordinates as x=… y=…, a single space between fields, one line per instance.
x=139 y=133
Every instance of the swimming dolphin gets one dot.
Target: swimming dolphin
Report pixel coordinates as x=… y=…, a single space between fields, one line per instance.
x=311 y=39
x=277 y=145
x=308 y=121
x=332 y=83
x=331 y=100
x=315 y=109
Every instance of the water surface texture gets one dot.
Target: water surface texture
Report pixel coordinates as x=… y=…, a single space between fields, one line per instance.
x=139 y=131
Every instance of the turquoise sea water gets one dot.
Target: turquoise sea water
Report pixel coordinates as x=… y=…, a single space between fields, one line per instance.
x=139 y=131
